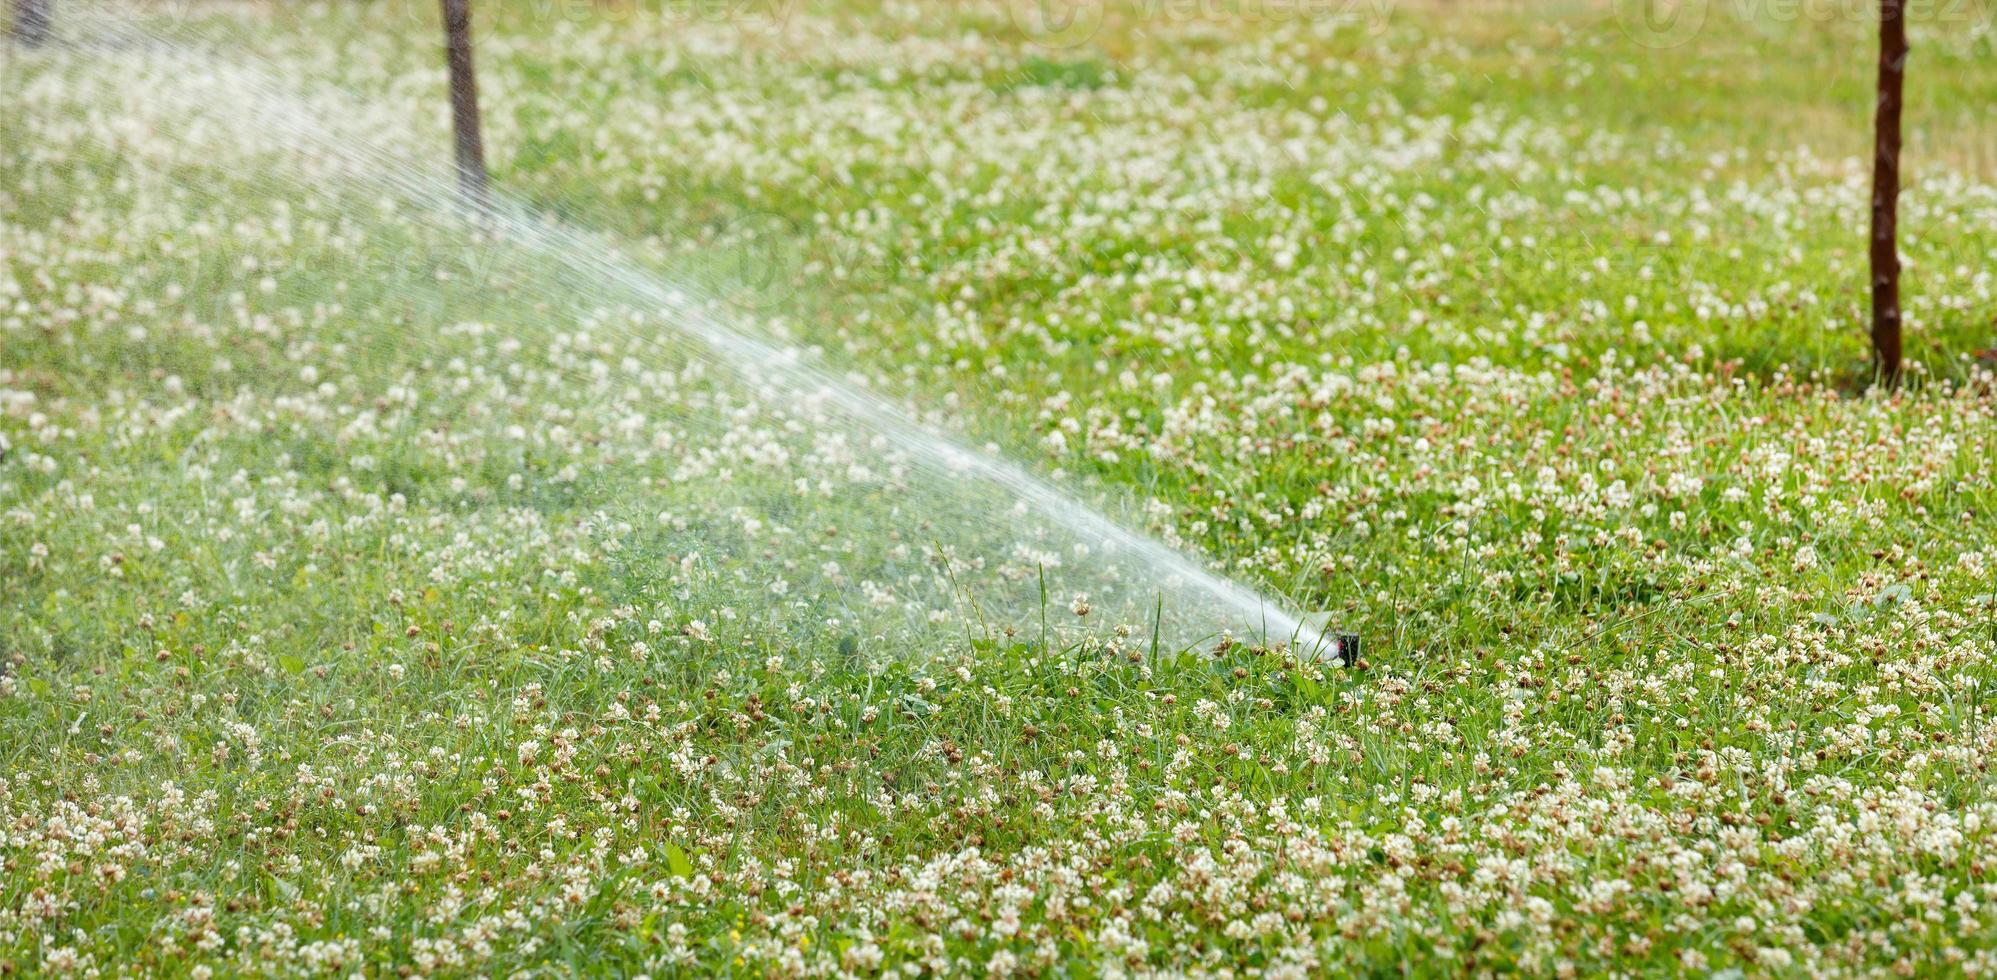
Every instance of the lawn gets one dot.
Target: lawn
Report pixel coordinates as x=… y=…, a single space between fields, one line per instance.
x=390 y=592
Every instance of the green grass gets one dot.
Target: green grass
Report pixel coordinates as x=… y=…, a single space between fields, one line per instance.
x=342 y=631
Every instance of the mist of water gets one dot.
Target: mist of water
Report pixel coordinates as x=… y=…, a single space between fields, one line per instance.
x=1000 y=539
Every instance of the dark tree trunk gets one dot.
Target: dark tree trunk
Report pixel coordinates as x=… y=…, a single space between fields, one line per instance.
x=32 y=21
x=1886 y=191
x=464 y=104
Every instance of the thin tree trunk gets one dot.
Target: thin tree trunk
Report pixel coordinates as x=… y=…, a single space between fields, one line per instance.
x=1886 y=191
x=464 y=104
x=32 y=21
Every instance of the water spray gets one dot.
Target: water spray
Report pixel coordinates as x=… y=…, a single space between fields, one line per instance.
x=32 y=21
x=907 y=487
